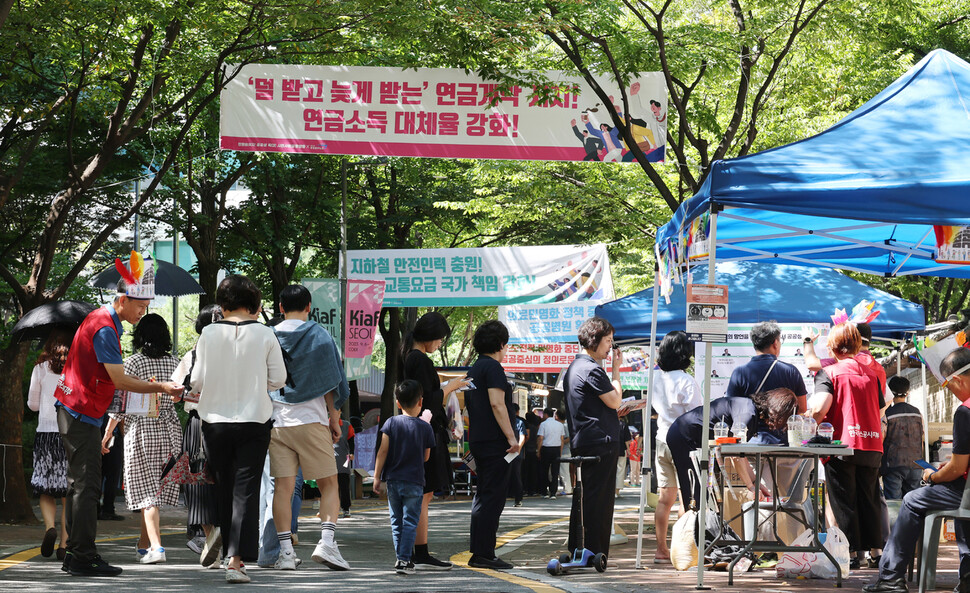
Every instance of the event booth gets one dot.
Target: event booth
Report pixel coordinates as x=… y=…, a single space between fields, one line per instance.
x=874 y=193
x=765 y=292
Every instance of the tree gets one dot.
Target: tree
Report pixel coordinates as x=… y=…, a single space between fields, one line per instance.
x=93 y=80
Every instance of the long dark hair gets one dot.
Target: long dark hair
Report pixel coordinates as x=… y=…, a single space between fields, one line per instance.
x=55 y=349
x=151 y=336
x=429 y=327
x=775 y=407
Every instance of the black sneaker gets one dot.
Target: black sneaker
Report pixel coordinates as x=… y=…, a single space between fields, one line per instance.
x=429 y=562
x=873 y=561
x=887 y=586
x=47 y=546
x=963 y=586
x=496 y=563
x=855 y=563
x=109 y=516
x=96 y=567
x=66 y=565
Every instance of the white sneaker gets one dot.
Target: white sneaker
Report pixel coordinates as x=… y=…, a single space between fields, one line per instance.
x=286 y=561
x=329 y=554
x=153 y=556
x=212 y=547
x=236 y=576
x=218 y=563
x=140 y=553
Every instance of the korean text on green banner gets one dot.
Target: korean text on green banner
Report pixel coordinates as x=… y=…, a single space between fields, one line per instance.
x=364 y=298
x=486 y=275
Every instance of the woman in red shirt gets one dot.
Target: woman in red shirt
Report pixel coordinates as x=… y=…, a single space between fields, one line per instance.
x=847 y=395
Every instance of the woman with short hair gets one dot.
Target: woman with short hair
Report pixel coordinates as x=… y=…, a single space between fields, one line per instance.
x=238 y=362
x=592 y=399
x=150 y=441
x=674 y=393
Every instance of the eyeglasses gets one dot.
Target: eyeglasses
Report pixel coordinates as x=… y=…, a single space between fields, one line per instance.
x=950 y=377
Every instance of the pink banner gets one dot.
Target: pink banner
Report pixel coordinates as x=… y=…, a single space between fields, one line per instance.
x=364 y=300
x=436 y=112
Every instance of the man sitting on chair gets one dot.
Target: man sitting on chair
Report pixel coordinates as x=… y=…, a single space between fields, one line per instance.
x=944 y=491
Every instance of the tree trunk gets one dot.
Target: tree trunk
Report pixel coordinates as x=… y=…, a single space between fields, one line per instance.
x=15 y=506
x=392 y=369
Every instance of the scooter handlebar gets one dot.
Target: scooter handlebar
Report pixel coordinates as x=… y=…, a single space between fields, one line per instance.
x=578 y=459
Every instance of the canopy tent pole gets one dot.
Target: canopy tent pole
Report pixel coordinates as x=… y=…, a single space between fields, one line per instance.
x=706 y=419
x=646 y=460
x=926 y=410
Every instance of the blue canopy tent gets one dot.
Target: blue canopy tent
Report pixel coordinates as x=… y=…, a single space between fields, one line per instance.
x=762 y=292
x=863 y=195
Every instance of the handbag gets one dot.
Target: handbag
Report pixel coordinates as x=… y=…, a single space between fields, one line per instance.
x=185 y=469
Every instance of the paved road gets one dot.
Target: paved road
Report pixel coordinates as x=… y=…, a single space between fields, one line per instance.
x=534 y=533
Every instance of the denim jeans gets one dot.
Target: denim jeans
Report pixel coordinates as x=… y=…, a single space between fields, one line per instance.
x=897 y=481
x=404 y=503
x=901 y=547
x=269 y=544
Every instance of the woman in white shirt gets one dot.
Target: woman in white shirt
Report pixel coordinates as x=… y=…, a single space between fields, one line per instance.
x=238 y=361
x=49 y=479
x=674 y=393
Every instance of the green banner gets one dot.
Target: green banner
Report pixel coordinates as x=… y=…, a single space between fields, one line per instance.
x=326 y=308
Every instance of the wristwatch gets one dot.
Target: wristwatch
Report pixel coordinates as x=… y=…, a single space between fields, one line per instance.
x=808 y=341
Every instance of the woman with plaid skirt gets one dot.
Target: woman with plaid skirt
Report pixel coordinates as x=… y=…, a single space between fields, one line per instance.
x=150 y=440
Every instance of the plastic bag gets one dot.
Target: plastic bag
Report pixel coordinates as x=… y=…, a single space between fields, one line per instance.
x=456 y=424
x=683 y=543
x=812 y=564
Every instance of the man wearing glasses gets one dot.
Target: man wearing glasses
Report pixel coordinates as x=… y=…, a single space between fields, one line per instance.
x=943 y=490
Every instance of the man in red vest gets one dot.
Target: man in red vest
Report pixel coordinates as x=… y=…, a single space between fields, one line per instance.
x=93 y=371
x=943 y=490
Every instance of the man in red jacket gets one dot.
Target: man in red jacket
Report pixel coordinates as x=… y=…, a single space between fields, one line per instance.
x=93 y=371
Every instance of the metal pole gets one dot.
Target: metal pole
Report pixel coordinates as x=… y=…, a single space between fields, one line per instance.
x=344 y=271
x=706 y=420
x=175 y=261
x=646 y=461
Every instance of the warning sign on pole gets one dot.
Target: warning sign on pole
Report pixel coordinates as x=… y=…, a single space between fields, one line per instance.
x=707 y=312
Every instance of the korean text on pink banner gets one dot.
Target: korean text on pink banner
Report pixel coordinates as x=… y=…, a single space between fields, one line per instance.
x=364 y=300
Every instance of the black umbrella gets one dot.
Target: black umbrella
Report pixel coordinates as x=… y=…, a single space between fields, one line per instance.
x=170 y=280
x=39 y=322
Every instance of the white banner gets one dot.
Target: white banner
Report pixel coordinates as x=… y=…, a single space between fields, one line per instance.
x=434 y=112
x=486 y=275
x=546 y=323
x=738 y=350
